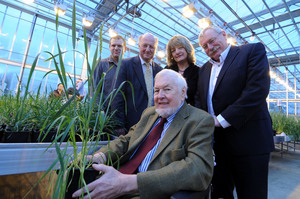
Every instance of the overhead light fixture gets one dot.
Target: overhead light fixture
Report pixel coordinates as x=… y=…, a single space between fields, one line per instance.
x=60 y=8
x=161 y=54
x=134 y=11
x=131 y=41
x=190 y=9
x=112 y=32
x=252 y=38
x=231 y=40
x=204 y=22
x=88 y=20
x=28 y=1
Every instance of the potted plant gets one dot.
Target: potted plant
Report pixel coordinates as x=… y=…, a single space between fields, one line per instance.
x=15 y=113
x=289 y=125
x=43 y=112
x=84 y=120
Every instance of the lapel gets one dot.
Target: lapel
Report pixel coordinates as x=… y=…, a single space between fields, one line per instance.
x=144 y=128
x=155 y=69
x=173 y=130
x=137 y=67
x=233 y=52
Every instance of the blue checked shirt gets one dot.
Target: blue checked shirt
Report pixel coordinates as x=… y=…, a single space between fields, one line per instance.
x=145 y=163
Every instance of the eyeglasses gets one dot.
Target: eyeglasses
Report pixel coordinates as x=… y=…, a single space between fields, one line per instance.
x=211 y=41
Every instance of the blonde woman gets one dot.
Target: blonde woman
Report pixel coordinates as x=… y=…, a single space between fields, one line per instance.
x=181 y=58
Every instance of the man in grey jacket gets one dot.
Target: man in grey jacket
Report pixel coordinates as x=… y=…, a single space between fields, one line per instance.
x=109 y=65
x=180 y=158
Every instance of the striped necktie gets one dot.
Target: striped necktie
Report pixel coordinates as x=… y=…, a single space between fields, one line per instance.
x=149 y=83
x=131 y=165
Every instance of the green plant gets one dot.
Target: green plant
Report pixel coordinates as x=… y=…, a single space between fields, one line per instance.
x=16 y=109
x=290 y=125
x=84 y=120
x=15 y=113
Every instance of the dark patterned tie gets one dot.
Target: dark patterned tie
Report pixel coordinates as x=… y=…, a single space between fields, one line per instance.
x=131 y=165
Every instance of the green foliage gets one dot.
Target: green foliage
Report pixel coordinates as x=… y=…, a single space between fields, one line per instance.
x=15 y=114
x=77 y=120
x=73 y=120
x=290 y=125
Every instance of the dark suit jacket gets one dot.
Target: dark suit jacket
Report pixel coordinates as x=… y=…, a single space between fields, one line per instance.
x=131 y=71
x=182 y=161
x=240 y=97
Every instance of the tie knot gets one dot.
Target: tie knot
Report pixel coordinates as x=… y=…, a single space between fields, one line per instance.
x=163 y=120
x=147 y=64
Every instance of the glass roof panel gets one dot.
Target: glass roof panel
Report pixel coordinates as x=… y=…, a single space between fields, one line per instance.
x=164 y=19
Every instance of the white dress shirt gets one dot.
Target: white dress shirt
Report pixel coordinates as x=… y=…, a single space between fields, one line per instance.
x=215 y=71
x=144 y=66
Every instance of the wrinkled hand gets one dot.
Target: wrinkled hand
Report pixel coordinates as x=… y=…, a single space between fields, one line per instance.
x=111 y=184
x=98 y=158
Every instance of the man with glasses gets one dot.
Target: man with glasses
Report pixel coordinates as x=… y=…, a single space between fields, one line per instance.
x=233 y=86
x=167 y=151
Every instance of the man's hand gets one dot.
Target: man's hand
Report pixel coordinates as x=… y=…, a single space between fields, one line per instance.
x=111 y=184
x=99 y=158
x=217 y=123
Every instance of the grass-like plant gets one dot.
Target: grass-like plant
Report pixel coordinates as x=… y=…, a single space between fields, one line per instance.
x=290 y=125
x=83 y=121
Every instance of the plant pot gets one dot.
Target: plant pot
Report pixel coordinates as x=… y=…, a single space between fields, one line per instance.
x=2 y=129
x=16 y=137
x=278 y=139
x=37 y=136
x=104 y=137
x=1 y=135
x=89 y=175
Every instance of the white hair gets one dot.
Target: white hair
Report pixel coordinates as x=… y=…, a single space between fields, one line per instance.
x=215 y=28
x=179 y=79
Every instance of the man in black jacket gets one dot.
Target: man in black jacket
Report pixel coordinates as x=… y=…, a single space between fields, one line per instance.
x=140 y=72
x=233 y=86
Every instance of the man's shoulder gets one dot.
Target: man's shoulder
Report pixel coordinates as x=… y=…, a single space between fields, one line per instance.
x=107 y=59
x=130 y=59
x=149 y=111
x=157 y=66
x=103 y=62
x=250 y=46
x=197 y=113
x=205 y=66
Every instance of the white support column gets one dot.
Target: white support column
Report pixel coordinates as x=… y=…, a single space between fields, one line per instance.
x=287 y=92
x=26 y=52
x=84 y=65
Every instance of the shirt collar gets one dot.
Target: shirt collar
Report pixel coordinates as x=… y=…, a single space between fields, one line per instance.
x=111 y=60
x=171 y=117
x=143 y=62
x=222 y=57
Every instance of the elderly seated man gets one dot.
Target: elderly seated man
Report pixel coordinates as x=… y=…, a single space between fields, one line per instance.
x=168 y=150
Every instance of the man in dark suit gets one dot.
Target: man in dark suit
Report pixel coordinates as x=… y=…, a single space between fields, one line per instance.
x=136 y=70
x=181 y=158
x=233 y=86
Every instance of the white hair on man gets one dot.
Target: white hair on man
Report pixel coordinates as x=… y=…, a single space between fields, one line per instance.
x=181 y=82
